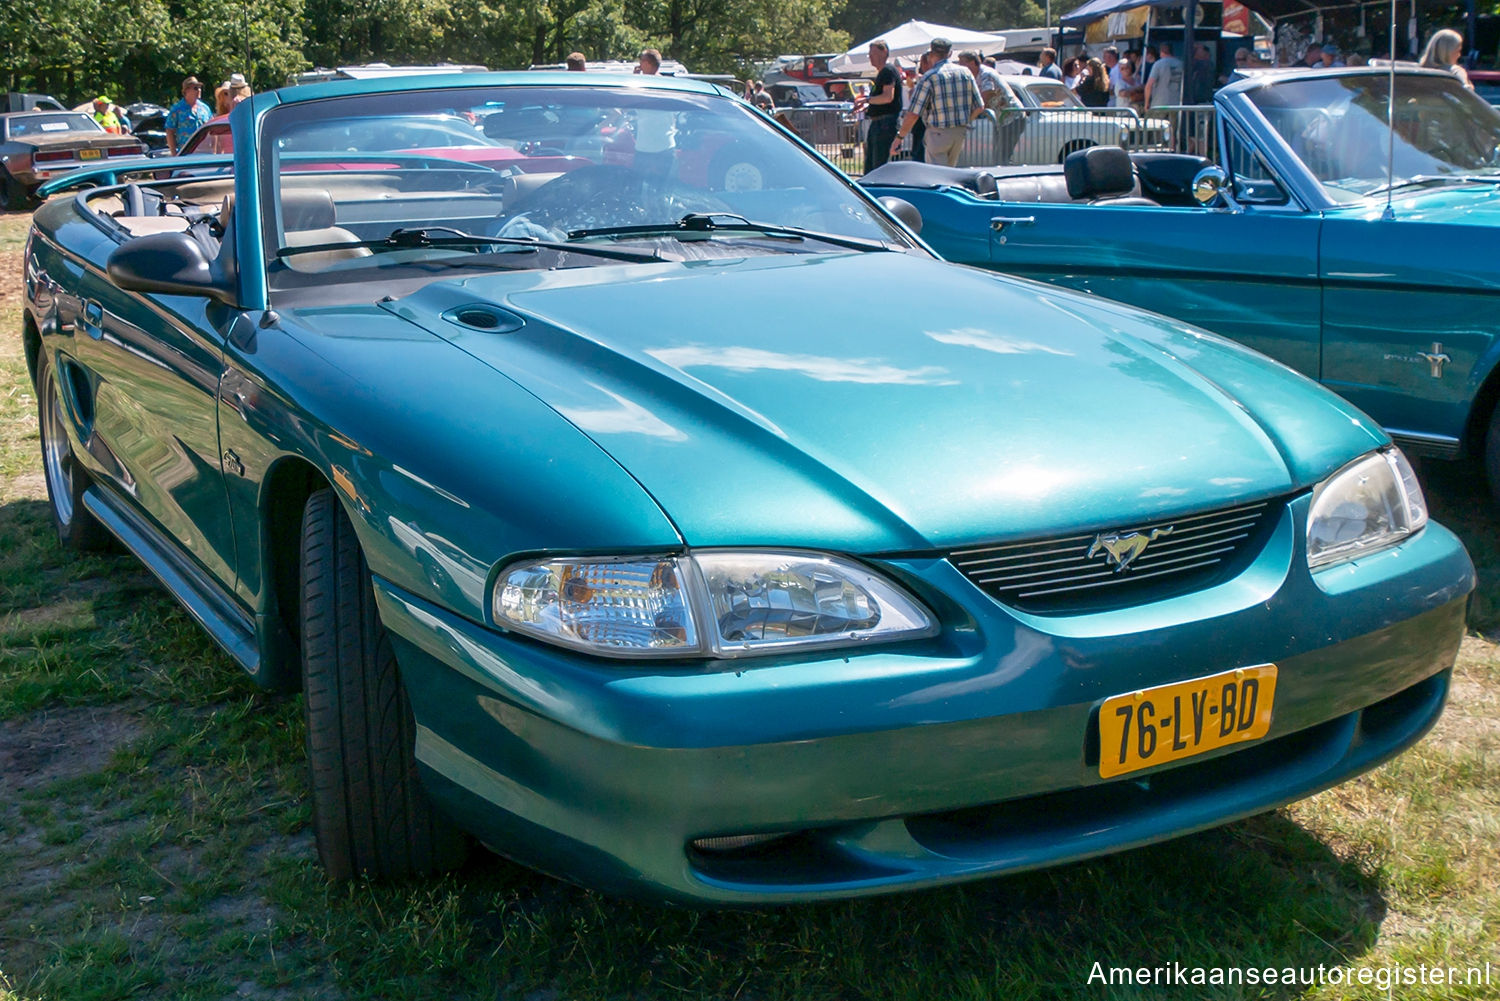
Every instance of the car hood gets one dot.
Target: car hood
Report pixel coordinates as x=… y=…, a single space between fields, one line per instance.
x=1468 y=204
x=884 y=402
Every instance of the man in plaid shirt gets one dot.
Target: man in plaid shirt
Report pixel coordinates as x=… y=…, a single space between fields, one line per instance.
x=947 y=100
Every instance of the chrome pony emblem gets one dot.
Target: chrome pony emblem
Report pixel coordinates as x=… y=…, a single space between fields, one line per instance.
x=1120 y=549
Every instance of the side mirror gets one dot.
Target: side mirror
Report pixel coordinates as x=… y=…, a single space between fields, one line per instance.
x=905 y=211
x=169 y=263
x=1207 y=184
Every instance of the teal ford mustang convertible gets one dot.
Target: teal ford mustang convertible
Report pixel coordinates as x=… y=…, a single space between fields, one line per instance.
x=1295 y=253
x=705 y=539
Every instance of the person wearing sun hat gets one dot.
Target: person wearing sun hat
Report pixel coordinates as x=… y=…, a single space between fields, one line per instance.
x=187 y=115
x=239 y=88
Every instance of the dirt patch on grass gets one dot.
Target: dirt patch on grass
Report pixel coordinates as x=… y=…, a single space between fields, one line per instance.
x=62 y=743
x=35 y=620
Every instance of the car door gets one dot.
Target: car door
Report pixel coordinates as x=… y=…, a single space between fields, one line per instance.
x=153 y=364
x=1409 y=319
x=1248 y=271
x=1250 y=276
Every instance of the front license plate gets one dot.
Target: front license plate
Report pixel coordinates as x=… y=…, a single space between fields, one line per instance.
x=1171 y=722
x=90 y=154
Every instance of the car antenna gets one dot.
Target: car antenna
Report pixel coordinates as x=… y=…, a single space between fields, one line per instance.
x=1390 y=126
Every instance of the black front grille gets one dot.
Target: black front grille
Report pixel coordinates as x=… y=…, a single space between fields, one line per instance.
x=1078 y=572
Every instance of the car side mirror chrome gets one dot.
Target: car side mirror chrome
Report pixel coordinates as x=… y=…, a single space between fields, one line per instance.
x=903 y=210
x=1207 y=185
x=168 y=263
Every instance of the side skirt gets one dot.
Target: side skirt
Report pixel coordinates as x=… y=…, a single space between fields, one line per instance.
x=204 y=599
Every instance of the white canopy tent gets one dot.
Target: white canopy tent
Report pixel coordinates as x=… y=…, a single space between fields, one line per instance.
x=912 y=39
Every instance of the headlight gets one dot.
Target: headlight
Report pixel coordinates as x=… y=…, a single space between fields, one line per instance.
x=711 y=603
x=1370 y=504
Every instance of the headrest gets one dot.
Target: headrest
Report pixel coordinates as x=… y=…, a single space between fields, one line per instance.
x=1098 y=172
x=310 y=208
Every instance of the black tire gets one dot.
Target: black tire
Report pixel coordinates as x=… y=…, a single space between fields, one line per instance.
x=370 y=814
x=66 y=479
x=1492 y=455
x=13 y=194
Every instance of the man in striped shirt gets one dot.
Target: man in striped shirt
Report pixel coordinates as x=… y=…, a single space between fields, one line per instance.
x=947 y=100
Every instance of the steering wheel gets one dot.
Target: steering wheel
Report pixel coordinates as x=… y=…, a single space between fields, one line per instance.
x=603 y=195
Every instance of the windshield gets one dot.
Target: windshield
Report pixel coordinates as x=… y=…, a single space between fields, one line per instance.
x=1048 y=95
x=42 y=125
x=356 y=186
x=1337 y=126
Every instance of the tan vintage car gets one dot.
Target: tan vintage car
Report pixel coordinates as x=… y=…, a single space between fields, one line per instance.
x=36 y=146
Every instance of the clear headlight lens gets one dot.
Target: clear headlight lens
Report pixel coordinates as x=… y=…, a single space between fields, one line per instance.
x=1370 y=504
x=714 y=603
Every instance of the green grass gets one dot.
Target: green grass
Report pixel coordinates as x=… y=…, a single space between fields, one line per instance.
x=154 y=840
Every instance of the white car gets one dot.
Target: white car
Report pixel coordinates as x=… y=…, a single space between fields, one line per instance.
x=1056 y=123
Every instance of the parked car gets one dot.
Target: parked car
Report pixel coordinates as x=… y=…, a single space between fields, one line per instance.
x=13 y=101
x=1486 y=84
x=148 y=123
x=1058 y=123
x=1313 y=248
x=36 y=146
x=574 y=543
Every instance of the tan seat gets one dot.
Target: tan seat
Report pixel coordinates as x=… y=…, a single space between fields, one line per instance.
x=308 y=217
x=323 y=259
x=146 y=225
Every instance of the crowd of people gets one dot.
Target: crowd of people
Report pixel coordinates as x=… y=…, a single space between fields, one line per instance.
x=935 y=104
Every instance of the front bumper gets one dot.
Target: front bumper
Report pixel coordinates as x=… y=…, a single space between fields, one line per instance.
x=923 y=763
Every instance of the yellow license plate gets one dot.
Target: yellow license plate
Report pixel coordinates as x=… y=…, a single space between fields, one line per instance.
x=90 y=154
x=1171 y=722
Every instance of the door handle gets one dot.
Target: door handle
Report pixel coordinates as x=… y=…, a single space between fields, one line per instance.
x=93 y=319
x=999 y=222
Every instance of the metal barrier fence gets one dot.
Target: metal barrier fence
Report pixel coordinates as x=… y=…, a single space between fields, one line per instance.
x=1025 y=135
x=837 y=134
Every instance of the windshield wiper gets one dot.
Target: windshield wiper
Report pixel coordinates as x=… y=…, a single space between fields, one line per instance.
x=1417 y=180
x=446 y=236
x=727 y=222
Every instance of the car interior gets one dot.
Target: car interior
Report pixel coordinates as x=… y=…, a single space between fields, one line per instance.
x=1098 y=175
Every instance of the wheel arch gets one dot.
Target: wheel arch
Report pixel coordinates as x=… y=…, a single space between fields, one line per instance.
x=1480 y=411
x=31 y=343
x=288 y=485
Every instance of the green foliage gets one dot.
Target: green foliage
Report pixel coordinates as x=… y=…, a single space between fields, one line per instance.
x=75 y=49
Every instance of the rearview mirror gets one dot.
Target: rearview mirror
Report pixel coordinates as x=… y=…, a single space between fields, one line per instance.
x=905 y=211
x=171 y=264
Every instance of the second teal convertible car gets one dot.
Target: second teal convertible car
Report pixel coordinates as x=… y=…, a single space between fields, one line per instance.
x=593 y=522
x=1357 y=253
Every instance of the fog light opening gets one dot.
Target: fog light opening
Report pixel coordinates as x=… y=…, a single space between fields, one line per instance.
x=736 y=842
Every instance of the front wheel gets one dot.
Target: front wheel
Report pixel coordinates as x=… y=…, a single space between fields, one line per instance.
x=77 y=529
x=370 y=814
x=1492 y=455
